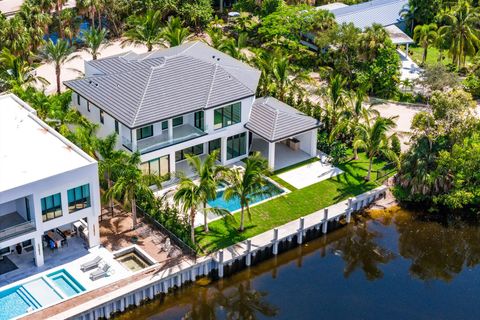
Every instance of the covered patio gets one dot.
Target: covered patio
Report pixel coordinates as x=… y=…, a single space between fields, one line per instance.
x=282 y=134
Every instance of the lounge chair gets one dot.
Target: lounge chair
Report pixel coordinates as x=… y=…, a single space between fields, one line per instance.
x=91 y=264
x=100 y=272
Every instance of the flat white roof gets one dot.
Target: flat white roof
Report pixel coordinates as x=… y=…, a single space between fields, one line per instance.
x=29 y=149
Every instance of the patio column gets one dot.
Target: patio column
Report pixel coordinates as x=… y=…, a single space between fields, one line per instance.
x=93 y=231
x=170 y=129
x=93 y=227
x=171 y=162
x=134 y=139
x=223 y=150
x=313 y=143
x=271 y=155
x=38 y=250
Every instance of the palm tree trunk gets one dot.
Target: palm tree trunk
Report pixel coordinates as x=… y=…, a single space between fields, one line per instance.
x=57 y=73
x=192 y=225
x=110 y=200
x=355 y=153
x=205 y=222
x=134 y=213
x=369 y=169
x=424 y=58
x=242 y=219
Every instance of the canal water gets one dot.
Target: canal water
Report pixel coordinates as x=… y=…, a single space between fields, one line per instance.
x=387 y=265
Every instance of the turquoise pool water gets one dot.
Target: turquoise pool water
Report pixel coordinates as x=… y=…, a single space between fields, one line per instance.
x=37 y=293
x=234 y=204
x=68 y=284
x=15 y=302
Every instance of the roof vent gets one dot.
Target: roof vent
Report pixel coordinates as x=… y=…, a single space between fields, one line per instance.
x=213 y=57
x=218 y=59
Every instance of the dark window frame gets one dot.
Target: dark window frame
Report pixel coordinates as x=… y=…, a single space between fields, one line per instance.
x=81 y=198
x=88 y=106
x=55 y=208
x=116 y=127
x=143 y=134
x=102 y=116
x=193 y=150
x=199 y=120
x=178 y=121
x=231 y=113
x=236 y=146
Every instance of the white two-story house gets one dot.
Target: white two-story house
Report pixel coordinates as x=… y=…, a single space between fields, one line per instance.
x=190 y=99
x=49 y=189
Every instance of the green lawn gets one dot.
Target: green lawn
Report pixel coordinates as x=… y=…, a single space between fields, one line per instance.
x=433 y=54
x=292 y=206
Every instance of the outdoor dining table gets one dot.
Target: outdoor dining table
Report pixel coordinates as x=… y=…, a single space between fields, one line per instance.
x=56 y=238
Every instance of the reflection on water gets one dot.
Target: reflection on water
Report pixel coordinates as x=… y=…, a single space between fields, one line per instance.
x=389 y=265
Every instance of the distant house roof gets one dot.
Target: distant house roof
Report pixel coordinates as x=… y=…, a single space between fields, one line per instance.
x=397 y=35
x=383 y=12
x=139 y=89
x=332 y=6
x=274 y=120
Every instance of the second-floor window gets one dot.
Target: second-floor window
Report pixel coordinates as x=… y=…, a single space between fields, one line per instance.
x=177 y=121
x=102 y=116
x=116 y=127
x=79 y=99
x=51 y=207
x=198 y=120
x=78 y=198
x=226 y=116
x=88 y=106
x=144 y=132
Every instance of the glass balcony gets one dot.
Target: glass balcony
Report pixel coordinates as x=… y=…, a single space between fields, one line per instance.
x=181 y=133
x=13 y=224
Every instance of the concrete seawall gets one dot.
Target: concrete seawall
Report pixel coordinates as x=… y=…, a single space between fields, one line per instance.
x=222 y=262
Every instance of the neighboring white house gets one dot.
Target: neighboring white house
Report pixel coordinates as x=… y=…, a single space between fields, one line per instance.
x=387 y=13
x=190 y=99
x=48 y=186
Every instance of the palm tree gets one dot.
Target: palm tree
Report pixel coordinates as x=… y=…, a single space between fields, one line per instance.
x=425 y=35
x=14 y=36
x=248 y=183
x=373 y=138
x=234 y=46
x=15 y=71
x=209 y=176
x=130 y=183
x=174 y=34
x=189 y=196
x=335 y=101
x=247 y=303
x=85 y=138
x=36 y=23
x=110 y=163
x=58 y=54
x=371 y=41
x=94 y=40
x=145 y=29
x=461 y=30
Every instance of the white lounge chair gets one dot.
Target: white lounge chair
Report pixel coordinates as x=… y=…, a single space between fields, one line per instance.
x=91 y=264
x=100 y=272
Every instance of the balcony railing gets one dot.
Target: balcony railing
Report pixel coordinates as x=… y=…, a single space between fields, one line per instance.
x=16 y=230
x=181 y=133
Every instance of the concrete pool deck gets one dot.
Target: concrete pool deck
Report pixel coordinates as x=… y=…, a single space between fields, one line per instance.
x=310 y=173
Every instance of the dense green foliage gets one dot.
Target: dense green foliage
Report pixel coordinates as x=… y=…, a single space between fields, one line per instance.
x=441 y=167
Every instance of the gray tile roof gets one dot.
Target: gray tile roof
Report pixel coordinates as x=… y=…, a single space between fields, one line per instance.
x=274 y=120
x=139 y=89
x=384 y=12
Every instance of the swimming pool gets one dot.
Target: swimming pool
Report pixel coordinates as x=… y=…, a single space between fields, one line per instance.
x=29 y=296
x=65 y=282
x=38 y=293
x=234 y=204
